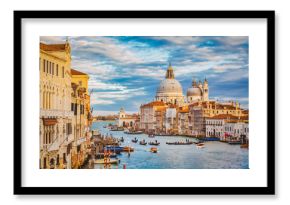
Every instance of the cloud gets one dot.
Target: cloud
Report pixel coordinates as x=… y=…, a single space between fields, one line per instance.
x=52 y=39
x=95 y=101
x=131 y=67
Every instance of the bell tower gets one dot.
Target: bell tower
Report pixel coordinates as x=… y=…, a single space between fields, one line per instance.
x=122 y=113
x=205 y=90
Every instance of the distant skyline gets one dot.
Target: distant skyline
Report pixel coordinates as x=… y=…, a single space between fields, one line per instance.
x=125 y=71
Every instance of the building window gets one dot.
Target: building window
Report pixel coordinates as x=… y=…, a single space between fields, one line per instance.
x=44 y=63
x=52 y=68
x=72 y=106
x=76 y=109
x=46 y=67
x=62 y=71
x=56 y=69
x=49 y=67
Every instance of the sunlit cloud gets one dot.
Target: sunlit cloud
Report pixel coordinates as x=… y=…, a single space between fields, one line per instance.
x=125 y=71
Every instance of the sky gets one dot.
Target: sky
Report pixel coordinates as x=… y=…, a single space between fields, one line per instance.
x=125 y=71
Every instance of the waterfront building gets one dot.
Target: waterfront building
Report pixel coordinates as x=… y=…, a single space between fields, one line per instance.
x=171 y=120
x=199 y=111
x=227 y=127
x=55 y=122
x=80 y=106
x=198 y=92
x=183 y=120
x=170 y=90
x=214 y=126
x=152 y=117
x=127 y=120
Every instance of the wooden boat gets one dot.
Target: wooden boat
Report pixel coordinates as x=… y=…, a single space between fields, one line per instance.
x=151 y=136
x=133 y=132
x=102 y=155
x=246 y=146
x=154 y=143
x=128 y=149
x=107 y=161
x=121 y=139
x=117 y=129
x=143 y=143
x=153 y=149
x=237 y=142
x=135 y=140
x=179 y=143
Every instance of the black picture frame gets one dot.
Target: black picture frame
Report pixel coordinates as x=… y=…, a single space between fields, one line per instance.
x=268 y=190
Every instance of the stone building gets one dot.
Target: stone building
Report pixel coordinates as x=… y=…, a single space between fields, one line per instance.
x=198 y=92
x=183 y=120
x=151 y=116
x=80 y=106
x=55 y=99
x=126 y=120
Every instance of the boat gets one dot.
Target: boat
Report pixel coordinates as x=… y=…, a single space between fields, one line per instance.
x=143 y=142
x=135 y=140
x=151 y=135
x=154 y=143
x=128 y=149
x=200 y=145
x=236 y=142
x=107 y=161
x=102 y=155
x=121 y=139
x=117 y=129
x=115 y=149
x=246 y=146
x=133 y=132
x=179 y=143
x=153 y=149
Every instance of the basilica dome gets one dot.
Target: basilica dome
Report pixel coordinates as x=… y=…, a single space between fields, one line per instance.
x=194 y=91
x=169 y=86
x=170 y=90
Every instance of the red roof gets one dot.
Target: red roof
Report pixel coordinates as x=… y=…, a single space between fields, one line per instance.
x=52 y=47
x=154 y=103
x=76 y=72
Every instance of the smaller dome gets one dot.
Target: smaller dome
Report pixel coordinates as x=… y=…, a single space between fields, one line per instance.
x=194 y=92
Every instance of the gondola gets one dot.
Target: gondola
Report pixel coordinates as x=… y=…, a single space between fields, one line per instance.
x=143 y=143
x=134 y=140
x=154 y=143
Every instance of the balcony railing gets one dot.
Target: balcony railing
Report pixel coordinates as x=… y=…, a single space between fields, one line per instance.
x=55 y=113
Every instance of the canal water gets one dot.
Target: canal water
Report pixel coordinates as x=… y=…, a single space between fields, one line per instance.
x=214 y=155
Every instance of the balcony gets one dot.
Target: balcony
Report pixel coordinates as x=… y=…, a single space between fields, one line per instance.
x=55 y=113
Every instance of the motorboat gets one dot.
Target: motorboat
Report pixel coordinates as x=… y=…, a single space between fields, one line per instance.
x=153 y=149
x=107 y=161
x=200 y=145
x=128 y=149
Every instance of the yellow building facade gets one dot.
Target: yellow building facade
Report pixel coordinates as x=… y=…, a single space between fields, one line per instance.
x=80 y=106
x=55 y=101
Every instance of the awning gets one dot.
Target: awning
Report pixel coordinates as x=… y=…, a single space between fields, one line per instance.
x=49 y=121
